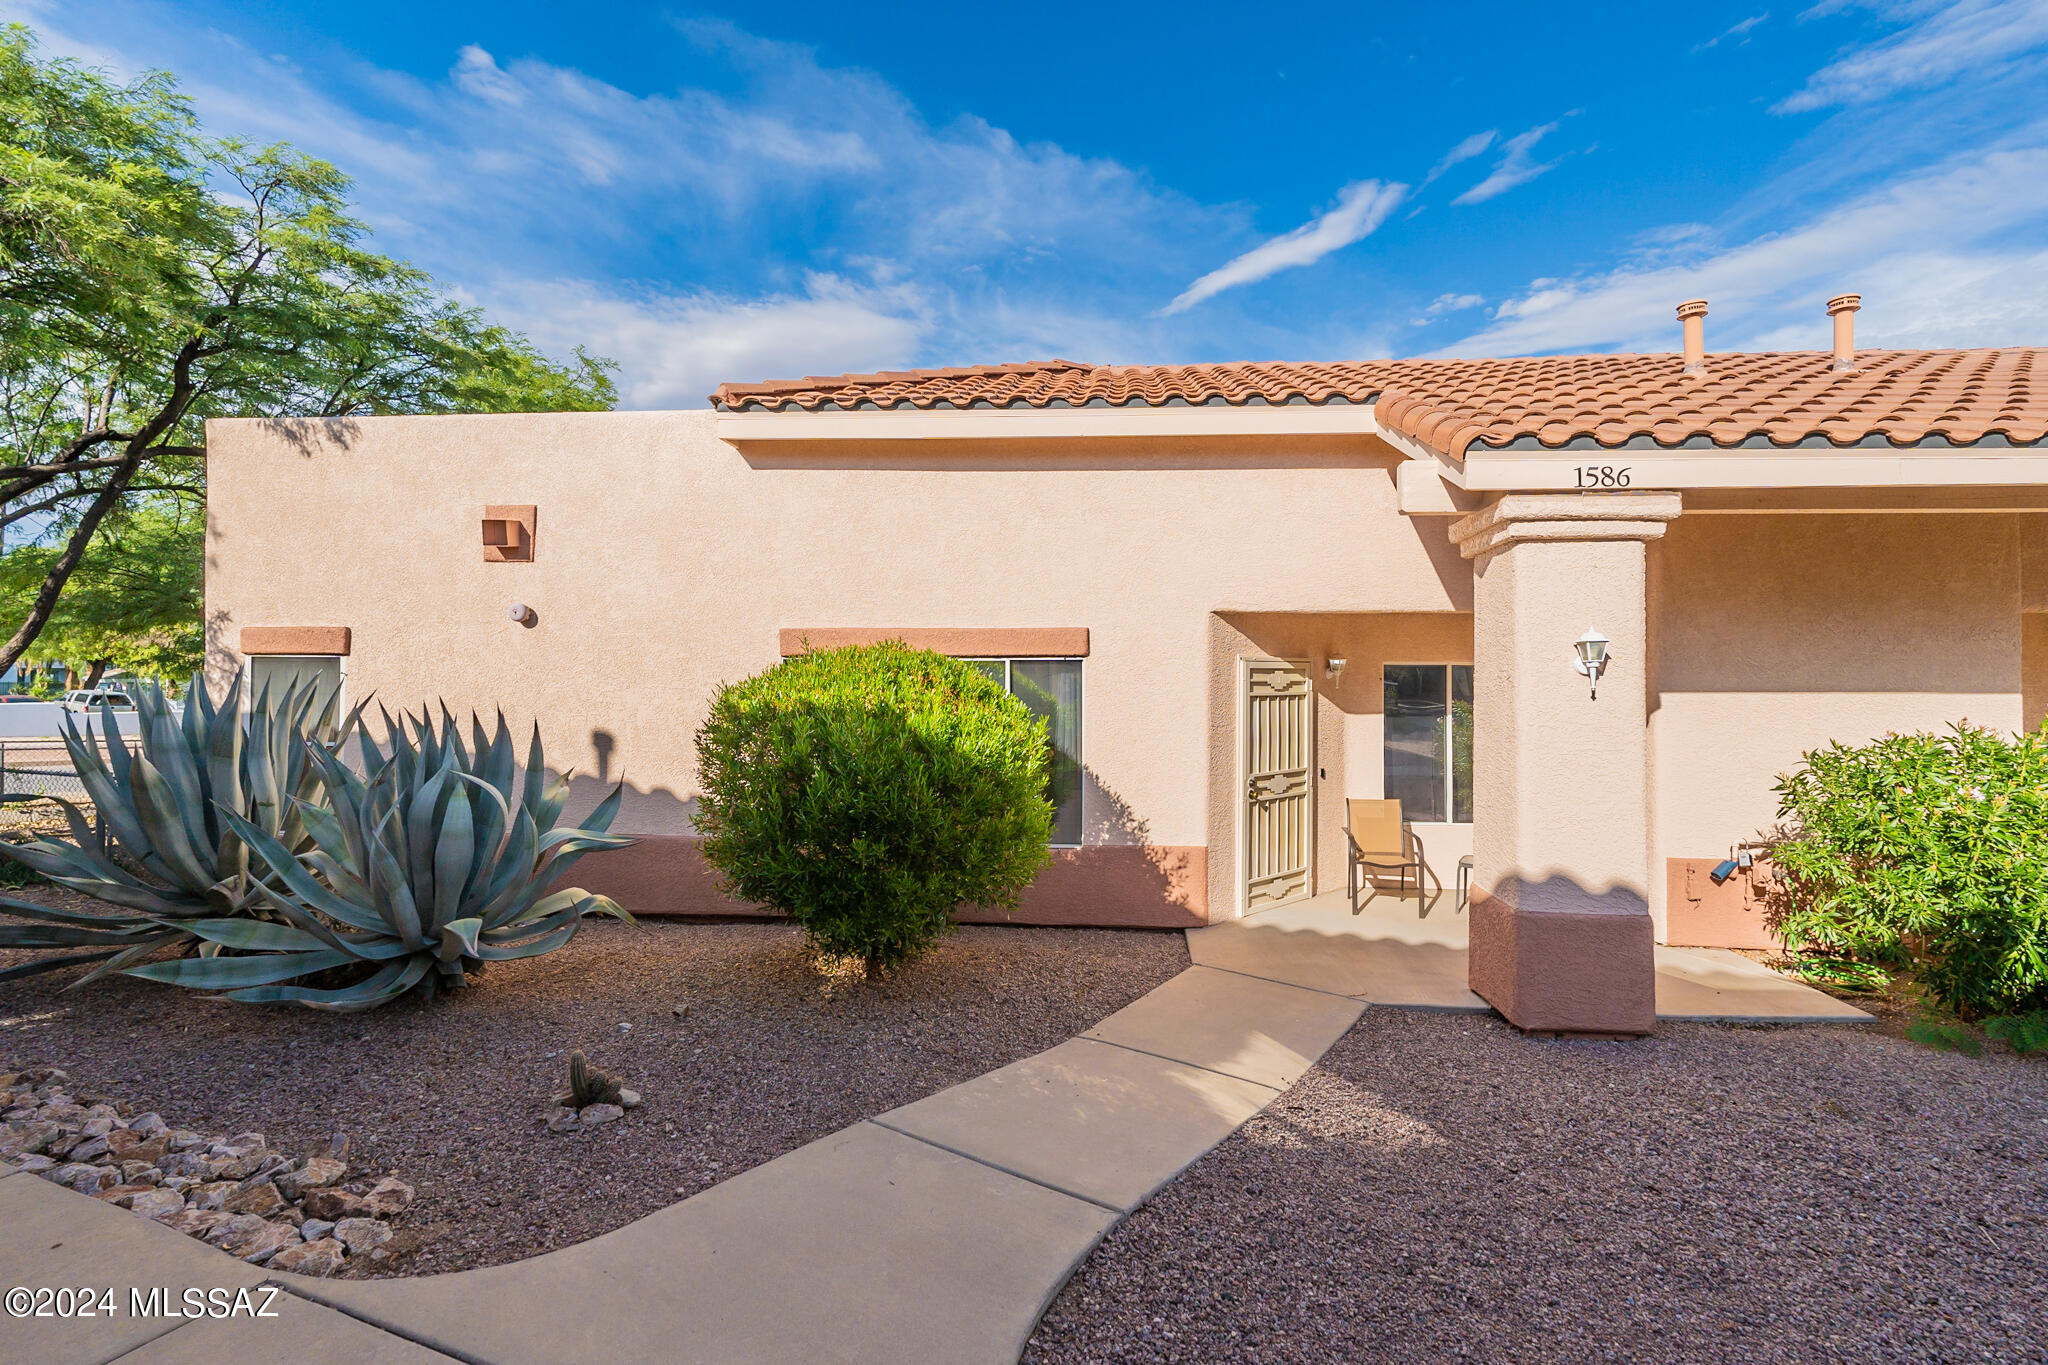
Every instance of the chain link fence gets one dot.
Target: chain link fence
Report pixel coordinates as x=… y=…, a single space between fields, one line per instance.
x=32 y=771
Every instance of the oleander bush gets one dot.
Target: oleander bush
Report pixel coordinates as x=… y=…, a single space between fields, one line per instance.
x=869 y=792
x=1923 y=849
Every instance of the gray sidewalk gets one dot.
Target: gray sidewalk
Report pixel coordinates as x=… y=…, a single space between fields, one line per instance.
x=938 y=1231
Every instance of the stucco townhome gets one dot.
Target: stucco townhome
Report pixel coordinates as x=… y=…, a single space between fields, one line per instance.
x=1241 y=593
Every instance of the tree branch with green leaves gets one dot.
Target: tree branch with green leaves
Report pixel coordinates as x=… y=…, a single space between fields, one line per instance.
x=152 y=277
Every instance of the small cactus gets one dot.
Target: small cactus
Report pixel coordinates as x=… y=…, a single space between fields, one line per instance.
x=588 y=1085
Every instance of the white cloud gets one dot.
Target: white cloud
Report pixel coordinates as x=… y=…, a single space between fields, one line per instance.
x=1740 y=29
x=1772 y=287
x=1361 y=208
x=1464 y=151
x=1517 y=166
x=1448 y=303
x=720 y=198
x=683 y=346
x=1977 y=38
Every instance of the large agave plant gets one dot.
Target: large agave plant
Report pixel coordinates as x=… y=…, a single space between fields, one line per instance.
x=433 y=862
x=174 y=857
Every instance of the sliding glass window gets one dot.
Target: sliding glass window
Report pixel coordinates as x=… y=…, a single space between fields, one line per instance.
x=1051 y=688
x=1428 y=741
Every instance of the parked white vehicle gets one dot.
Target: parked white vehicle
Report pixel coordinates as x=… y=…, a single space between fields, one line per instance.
x=88 y=700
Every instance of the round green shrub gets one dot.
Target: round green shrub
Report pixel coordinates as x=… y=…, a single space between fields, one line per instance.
x=868 y=792
x=1928 y=848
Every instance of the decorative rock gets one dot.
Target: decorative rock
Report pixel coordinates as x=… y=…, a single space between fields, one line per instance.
x=629 y=1099
x=362 y=1235
x=313 y=1229
x=235 y=1226
x=332 y=1204
x=33 y=1163
x=184 y=1139
x=98 y=1126
x=291 y=1213
x=140 y=1173
x=150 y=1149
x=215 y=1195
x=196 y=1222
x=562 y=1119
x=387 y=1198
x=592 y=1115
x=121 y=1196
x=241 y=1144
x=261 y=1246
x=159 y=1204
x=180 y=1183
x=324 y=1258
x=88 y=1150
x=27 y=1139
x=263 y=1199
x=318 y=1172
x=270 y=1167
x=121 y=1141
x=148 y=1125
x=186 y=1163
x=337 y=1146
x=233 y=1167
x=82 y=1176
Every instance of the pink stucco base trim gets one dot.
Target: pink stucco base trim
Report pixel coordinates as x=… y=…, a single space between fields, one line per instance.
x=1700 y=913
x=1134 y=886
x=1562 y=971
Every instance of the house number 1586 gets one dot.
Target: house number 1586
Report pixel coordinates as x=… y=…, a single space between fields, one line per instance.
x=1602 y=476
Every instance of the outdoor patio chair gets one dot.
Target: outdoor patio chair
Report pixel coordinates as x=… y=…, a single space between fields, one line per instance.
x=1381 y=841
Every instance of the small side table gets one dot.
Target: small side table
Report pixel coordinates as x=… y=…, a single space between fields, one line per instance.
x=1464 y=881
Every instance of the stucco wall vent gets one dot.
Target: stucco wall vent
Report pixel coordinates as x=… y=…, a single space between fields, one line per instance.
x=508 y=535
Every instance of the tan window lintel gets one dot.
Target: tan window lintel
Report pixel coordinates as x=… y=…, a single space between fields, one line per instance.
x=295 y=639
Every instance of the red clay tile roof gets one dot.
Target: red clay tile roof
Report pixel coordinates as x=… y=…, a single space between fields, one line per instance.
x=1784 y=398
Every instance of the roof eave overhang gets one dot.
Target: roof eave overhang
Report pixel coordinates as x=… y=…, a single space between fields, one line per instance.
x=1758 y=465
x=1058 y=423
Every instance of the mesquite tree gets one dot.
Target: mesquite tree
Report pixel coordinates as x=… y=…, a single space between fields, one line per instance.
x=151 y=277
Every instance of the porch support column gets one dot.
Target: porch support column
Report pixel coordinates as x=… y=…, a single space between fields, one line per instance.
x=1560 y=923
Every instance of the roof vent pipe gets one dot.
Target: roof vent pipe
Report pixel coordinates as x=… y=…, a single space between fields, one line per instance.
x=1693 y=314
x=1842 y=308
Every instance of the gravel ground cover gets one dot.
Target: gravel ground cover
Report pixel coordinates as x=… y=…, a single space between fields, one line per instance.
x=741 y=1048
x=1441 y=1188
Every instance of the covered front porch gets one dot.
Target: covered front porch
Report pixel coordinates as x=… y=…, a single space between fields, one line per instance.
x=1410 y=952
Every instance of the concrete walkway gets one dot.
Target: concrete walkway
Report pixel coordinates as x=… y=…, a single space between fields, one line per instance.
x=1398 y=951
x=938 y=1231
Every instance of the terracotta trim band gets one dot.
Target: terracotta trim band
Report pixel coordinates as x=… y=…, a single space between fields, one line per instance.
x=1030 y=642
x=1137 y=886
x=295 y=639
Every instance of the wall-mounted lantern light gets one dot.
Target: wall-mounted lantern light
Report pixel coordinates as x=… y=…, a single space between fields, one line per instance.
x=1333 y=668
x=1592 y=648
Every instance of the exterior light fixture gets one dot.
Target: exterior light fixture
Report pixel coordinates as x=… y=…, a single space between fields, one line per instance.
x=1592 y=648
x=1333 y=668
x=521 y=613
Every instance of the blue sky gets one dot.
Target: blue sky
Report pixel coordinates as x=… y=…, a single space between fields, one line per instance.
x=773 y=190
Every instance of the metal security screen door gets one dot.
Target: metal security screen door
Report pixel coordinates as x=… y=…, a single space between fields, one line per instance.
x=1279 y=826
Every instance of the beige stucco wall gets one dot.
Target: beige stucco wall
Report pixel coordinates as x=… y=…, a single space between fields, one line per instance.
x=667 y=561
x=1772 y=635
